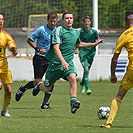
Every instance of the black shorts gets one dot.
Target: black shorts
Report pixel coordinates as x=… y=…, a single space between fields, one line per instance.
x=40 y=65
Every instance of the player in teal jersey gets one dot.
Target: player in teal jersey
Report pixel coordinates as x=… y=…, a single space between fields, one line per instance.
x=86 y=55
x=65 y=39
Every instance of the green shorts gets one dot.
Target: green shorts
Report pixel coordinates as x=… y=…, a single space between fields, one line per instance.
x=87 y=57
x=56 y=71
x=86 y=62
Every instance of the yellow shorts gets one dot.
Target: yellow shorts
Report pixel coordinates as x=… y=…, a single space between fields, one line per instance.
x=6 y=77
x=127 y=81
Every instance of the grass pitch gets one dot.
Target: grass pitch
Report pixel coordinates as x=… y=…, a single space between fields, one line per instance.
x=28 y=117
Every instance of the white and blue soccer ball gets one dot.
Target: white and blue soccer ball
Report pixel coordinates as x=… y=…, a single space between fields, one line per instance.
x=103 y=112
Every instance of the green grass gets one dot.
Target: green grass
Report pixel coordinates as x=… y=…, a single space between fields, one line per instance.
x=27 y=117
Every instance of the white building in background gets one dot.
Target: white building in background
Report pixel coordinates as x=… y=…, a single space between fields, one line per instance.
x=22 y=68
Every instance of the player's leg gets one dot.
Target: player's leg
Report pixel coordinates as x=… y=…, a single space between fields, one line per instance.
x=125 y=85
x=45 y=104
x=87 y=67
x=71 y=76
x=31 y=84
x=44 y=65
x=40 y=65
x=51 y=77
x=115 y=105
x=82 y=83
x=86 y=80
x=7 y=80
x=82 y=87
x=74 y=103
x=22 y=90
x=7 y=99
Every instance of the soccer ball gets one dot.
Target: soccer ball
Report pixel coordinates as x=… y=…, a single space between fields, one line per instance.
x=103 y=112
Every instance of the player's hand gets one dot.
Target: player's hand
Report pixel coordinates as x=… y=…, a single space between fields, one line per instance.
x=42 y=51
x=14 y=50
x=99 y=41
x=113 y=79
x=76 y=51
x=65 y=65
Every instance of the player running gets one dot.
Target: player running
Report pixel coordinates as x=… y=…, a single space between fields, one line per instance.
x=86 y=55
x=40 y=63
x=65 y=39
x=124 y=41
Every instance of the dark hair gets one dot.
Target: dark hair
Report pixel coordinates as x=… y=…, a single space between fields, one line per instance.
x=128 y=13
x=86 y=17
x=66 y=13
x=52 y=15
x=127 y=18
x=3 y=14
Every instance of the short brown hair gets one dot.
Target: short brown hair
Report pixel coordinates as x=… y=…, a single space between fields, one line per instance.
x=52 y=15
x=86 y=17
x=66 y=13
x=129 y=17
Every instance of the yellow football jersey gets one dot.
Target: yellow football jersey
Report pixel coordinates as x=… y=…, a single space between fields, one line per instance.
x=126 y=41
x=6 y=41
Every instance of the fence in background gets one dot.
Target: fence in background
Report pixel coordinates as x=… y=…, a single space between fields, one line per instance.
x=110 y=17
x=110 y=12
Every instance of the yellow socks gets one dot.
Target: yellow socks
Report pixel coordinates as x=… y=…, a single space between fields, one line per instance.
x=113 y=110
x=7 y=101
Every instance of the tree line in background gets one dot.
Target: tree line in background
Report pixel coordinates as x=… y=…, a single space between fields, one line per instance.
x=110 y=13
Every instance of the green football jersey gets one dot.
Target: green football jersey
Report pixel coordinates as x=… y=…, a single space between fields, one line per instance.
x=67 y=38
x=49 y=55
x=88 y=36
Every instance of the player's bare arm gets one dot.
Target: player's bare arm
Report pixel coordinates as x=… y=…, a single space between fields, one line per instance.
x=33 y=45
x=84 y=45
x=113 y=77
x=57 y=51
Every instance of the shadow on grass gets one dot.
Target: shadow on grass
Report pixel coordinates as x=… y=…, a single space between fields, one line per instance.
x=23 y=108
x=118 y=127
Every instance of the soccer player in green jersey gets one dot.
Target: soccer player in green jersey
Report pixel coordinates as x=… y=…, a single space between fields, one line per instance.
x=124 y=41
x=65 y=39
x=86 y=55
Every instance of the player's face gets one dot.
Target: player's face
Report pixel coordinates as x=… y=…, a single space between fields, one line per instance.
x=128 y=24
x=68 y=21
x=87 y=23
x=1 y=21
x=52 y=23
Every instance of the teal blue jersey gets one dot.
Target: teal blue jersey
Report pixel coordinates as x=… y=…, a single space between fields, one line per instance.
x=67 y=38
x=43 y=36
x=89 y=36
